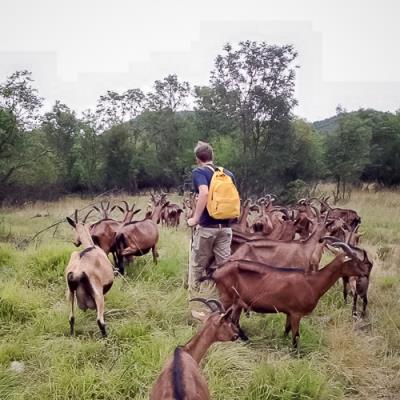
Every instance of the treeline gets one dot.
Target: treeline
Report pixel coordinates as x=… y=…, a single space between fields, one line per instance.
x=135 y=140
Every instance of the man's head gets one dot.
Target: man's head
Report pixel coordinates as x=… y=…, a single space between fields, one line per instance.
x=204 y=152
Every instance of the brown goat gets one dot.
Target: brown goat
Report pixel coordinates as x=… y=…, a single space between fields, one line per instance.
x=242 y=224
x=104 y=232
x=266 y=289
x=349 y=216
x=89 y=275
x=305 y=254
x=171 y=215
x=181 y=378
x=138 y=237
x=358 y=284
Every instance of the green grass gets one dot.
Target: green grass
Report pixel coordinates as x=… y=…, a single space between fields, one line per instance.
x=147 y=314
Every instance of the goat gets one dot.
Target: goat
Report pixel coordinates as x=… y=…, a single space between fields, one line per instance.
x=171 y=215
x=181 y=377
x=267 y=289
x=242 y=224
x=89 y=275
x=189 y=205
x=349 y=216
x=305 y=254
x=103 y=232
x=138 y=237
x=358 y=284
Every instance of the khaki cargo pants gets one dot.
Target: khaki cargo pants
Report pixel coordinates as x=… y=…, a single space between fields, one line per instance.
x=209 y=246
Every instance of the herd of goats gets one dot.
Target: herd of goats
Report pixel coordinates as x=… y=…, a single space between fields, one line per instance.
x=274 y=268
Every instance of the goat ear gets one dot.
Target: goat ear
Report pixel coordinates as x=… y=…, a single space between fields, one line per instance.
x=136 y=211
x=120 y=209
x=71 y=222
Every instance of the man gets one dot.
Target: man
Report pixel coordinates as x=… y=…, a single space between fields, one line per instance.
x=212 y=237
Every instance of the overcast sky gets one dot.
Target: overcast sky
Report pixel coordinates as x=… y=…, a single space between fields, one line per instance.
x=77 y=49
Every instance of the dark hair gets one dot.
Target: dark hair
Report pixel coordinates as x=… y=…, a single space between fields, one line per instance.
x=204 y=152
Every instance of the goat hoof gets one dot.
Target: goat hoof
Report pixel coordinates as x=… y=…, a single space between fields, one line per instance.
x=102 y=329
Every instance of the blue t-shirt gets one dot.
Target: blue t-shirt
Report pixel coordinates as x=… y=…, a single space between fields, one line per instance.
x=203 y=176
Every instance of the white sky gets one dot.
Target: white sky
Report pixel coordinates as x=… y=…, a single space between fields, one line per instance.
x=77 y=49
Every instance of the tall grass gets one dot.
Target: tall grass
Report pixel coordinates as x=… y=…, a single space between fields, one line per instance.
x=148 y=315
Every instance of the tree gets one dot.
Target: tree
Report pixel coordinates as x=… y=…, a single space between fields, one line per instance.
x=114 y=108
x=347 y=151
x=18 y=96
x=62 y=128
x=384 y=157
x=118 y=158
x=253 y=85
x=168 y=94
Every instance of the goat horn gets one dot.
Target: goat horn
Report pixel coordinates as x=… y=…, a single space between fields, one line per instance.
x=101 y=205
x=217 y=303
x=302 y=201
x=86 y=216
x=76 y=215
x=207 y=303
x=326 y=216
x=345 y=247
x=96 y=208
x=317 y=213
x=126 y=205
x=315 y=198
x=333 y=238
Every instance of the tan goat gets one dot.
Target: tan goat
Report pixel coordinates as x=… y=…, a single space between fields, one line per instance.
x=89 y=275
x=181 y=378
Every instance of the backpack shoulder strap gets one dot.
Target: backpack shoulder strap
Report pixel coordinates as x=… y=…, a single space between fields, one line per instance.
x=211 y=167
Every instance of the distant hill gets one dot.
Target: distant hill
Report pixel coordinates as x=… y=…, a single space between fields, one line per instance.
x=327 y=125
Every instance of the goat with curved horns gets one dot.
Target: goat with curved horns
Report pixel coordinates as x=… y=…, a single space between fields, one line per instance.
x=266 y=289
x=89 y=275
x=104 y=232
x=138 y=237
x=305 y=254
x=181 y=378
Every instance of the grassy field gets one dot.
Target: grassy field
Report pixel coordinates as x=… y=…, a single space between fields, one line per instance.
x=148 y=315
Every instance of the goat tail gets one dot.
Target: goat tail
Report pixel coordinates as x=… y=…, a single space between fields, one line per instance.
x=177 y=375
x=80 y=284
x=120 y=242
x=72 y=281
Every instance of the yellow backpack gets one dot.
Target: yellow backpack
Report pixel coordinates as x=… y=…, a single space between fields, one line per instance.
x=223 y=198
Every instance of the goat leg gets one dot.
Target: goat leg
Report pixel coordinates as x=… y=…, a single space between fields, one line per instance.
x=295 y=325
x=71 y=315
x=242 y=334
x=345 y=282
x=288 y=327
x=155 y=254
x=120 y=264
x=365 y=303
x=354 y=311
x=99 y=299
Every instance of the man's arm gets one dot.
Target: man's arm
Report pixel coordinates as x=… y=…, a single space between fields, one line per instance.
x=200 y=206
